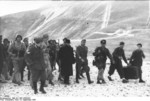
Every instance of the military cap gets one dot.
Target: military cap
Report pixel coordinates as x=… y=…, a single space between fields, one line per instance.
x=67 y=41
x=103 y=41
x=5 y=40
x=83 y=39
x=18 y=36
x=64 y=39
x=139 y=44
x=25 y=39
x=45 y=36
x=37 y=40
x=122 y=43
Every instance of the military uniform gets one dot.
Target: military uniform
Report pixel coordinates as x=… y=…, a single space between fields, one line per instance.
x=35 y=60
x=5 y=67
x=81 y=54
x=18 y=50
x=53 y=54
x=101 y=54
x=1 y=55
x=117 y=54
x=24 y=62
x=137 y=60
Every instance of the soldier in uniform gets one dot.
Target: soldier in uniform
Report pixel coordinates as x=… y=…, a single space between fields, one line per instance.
x=26 y=42
x=46 y=49
x=118 y=55
x=6 y=59
x=35 y=60
x=82 y=61
x=101 y=53
x=137 y=60
x=53 y=53
x=16 y=51
x=1 y=58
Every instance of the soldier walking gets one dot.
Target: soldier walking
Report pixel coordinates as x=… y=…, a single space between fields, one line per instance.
x=137 y=60
x=1 y=59
x=118 y=55
x=82 y=61
x=35 y=60
x=6 y=59
x=47 y=60
x=101 y=53
x=16 y=51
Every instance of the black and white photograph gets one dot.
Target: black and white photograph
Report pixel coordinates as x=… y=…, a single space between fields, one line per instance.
x=74 y=49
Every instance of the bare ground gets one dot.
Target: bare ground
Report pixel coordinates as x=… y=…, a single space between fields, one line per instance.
x=110 y=89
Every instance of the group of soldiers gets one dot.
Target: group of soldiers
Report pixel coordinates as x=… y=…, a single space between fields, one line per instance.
x=41 y=56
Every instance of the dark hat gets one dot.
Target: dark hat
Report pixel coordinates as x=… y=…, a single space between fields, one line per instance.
x=38 y=40
x=25 y=39
x=50 y=41
x=45 y=36
x=18 y=37
x=83 y=39
x=64 y=39
x=103 y=41
x=139 y=44
x=122 y=43
x=5 y=40
x=67 y=41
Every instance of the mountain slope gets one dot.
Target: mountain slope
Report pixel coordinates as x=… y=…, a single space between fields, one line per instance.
x=77 y=20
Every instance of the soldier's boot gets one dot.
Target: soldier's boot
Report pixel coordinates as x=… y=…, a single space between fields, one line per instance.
x=124 y=80
x=42 y=87
x=98 y=81
x=110 y=79
x=35 y=87
x=22 y=75
x=29 y=75
x=60 y=77
x=141 y=80
x=51 y=82
x=103 y=81
x=88 y=78
x=82 y=76
x=77 y=80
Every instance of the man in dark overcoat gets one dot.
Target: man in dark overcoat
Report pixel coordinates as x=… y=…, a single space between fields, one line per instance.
x=137 y=60
x=35 y=60
x=67 y=59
